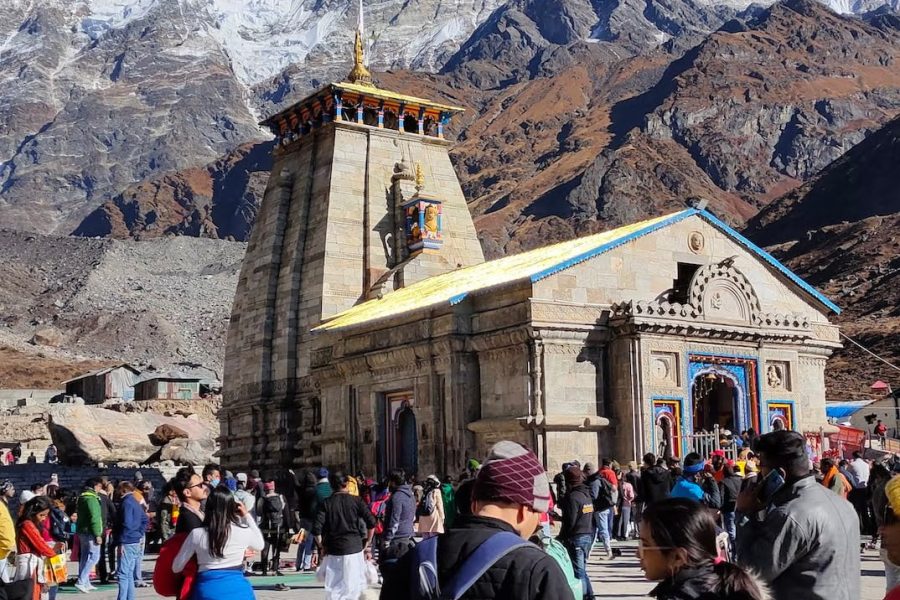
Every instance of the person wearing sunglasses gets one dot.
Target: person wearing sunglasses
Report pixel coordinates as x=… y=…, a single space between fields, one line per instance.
x=678 y=548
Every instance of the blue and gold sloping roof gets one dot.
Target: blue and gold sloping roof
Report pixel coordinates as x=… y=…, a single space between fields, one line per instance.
x=453 y=287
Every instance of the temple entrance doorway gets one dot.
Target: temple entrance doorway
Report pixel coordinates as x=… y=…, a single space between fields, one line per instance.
x=715 y=401
x=398 y=440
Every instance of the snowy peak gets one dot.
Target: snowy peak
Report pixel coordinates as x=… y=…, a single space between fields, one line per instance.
x=264 y=37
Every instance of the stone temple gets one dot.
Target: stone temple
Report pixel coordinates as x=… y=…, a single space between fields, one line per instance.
x=368 y=331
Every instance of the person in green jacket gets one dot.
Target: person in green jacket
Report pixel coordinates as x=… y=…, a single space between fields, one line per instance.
x=89 y=528
x=449 y=498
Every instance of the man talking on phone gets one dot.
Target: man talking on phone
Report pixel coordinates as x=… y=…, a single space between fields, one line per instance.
x=802 y=539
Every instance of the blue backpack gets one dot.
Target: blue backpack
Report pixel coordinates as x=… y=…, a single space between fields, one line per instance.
x=424 y=579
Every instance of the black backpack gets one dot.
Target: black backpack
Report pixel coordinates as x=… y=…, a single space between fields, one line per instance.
x=607 y=494
x=272 y=511
x=426 y=505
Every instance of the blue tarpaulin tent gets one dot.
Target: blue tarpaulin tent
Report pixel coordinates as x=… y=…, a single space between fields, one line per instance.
x=842 y=410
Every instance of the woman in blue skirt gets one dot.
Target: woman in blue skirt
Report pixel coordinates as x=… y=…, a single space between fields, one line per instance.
x=227 y=533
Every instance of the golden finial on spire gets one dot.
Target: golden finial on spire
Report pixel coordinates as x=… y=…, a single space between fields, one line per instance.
x=420 y=177
x=359 y=74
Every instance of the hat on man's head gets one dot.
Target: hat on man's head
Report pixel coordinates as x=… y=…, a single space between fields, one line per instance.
x=254 y=474
x=573 y=476
x=512 y=473
x=269 y=486
x=322 y=473
x=718 y=453
x=242 y=477
x=589 y=468
x=5 y=486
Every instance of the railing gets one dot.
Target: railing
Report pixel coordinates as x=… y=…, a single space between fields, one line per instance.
x=705 y=443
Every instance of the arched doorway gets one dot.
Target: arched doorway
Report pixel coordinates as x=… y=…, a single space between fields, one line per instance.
x=715 y=399
x=407 y=441
x=664 y=445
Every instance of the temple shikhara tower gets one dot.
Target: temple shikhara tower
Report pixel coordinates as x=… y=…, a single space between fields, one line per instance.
x=368 y=332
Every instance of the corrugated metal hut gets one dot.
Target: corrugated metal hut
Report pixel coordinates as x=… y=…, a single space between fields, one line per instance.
x=170 y=385
x=115 y=382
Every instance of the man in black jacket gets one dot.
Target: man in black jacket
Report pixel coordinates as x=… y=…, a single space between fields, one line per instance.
x=510 y=493
x=577 y=531
x=656 y=482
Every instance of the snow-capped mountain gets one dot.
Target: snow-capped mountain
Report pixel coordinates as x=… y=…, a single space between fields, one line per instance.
x=263 y=37
x=98 y=95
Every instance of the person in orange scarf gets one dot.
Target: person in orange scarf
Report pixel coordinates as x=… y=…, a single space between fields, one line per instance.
x=834 y=480
x=31 y=547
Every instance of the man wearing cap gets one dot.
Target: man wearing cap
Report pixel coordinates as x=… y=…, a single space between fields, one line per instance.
x=511 y=491
x=802 y=539
x=7 y=527
x=717 y=460
x=243 y=496
x=323 y=486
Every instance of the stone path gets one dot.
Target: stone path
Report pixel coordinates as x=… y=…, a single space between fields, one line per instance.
x=620 y=578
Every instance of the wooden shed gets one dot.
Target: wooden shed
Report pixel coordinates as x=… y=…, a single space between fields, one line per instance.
x=115 y=382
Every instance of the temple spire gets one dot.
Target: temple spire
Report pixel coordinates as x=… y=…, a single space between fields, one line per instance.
x=360 y=73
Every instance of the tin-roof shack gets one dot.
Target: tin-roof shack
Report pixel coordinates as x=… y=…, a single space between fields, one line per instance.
x=114 y=382
x=172 y=385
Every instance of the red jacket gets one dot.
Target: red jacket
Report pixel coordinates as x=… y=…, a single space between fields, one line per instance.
x=32 y=542
x=609 y=475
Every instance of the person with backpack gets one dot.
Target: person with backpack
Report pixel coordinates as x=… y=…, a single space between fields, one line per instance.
x=400 y=518
x=605 y=496
x=307 y=507
x=486 y=555
x=343 y=550
x=431 y=508
x=271 y=509
x=380 y=496
x=577 y=529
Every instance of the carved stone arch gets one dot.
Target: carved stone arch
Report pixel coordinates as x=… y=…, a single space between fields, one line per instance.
x=722 y=291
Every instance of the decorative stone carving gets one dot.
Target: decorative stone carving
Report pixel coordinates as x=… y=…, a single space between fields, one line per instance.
x=777 y=375
x=696 y=242
x=664 y=368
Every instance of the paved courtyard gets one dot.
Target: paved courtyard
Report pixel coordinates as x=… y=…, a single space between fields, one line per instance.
x=620 y=578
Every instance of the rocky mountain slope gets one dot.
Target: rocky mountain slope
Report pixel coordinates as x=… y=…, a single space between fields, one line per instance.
x=563 y=137
x=840 y=232
x=129 y=101
x=165 y=301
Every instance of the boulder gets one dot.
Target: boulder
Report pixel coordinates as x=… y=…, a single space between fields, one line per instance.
x=91 y=434
x=192 y=452
x=47 y=337
x=165 y=433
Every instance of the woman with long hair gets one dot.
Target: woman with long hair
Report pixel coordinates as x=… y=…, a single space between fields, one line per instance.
x=31 y=547
x=228 y=532
x=678 y=548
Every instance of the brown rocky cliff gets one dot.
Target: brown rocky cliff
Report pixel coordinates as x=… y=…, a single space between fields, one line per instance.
x=839 y=231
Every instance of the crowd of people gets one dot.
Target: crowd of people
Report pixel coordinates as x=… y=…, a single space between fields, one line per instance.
x=773 y=524
x=13 y=456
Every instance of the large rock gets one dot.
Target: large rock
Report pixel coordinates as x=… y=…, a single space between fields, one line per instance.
x=165 y=433
x=193 y=452
x=86 y=434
